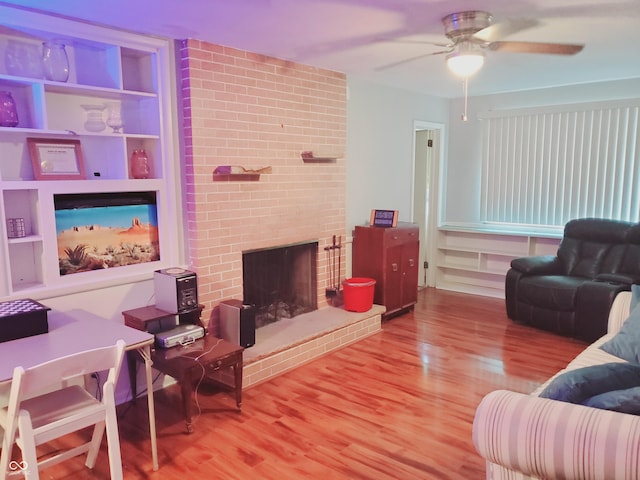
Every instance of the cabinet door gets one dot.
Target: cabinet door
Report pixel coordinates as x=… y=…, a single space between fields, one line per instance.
x=410 y=259
x=368 y=259
x=393 y=282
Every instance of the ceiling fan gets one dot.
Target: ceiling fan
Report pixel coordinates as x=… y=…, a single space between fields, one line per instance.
x=472 y=32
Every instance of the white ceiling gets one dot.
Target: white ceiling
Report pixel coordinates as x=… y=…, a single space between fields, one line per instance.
x=353 y=36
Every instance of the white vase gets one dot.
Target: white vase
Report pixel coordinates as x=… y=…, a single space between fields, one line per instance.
x=94 y=122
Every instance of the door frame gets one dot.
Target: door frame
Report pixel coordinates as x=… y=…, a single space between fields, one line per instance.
x=429 y=226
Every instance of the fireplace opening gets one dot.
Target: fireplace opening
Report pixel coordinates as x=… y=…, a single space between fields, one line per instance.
x=281 y=282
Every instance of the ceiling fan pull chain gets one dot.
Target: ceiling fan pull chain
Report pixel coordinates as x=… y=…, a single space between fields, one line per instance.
x=465 y=86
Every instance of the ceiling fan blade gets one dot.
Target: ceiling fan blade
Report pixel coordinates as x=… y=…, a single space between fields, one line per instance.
x=421 y=42
x=535 y=47
x=412 y=59
x=500 y=30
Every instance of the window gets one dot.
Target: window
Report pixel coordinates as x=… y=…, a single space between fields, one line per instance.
x=544 y=167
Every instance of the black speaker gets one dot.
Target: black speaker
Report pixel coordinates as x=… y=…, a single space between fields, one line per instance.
x=238 y=323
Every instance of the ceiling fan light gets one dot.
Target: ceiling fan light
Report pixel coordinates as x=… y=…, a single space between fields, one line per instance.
x=465 y=64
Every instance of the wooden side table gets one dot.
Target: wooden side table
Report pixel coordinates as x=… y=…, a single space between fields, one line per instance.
x=204 y=359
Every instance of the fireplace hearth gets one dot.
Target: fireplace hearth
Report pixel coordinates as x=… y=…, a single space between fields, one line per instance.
x=281 y=282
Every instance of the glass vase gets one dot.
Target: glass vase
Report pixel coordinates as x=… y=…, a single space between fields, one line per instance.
x=23 y=59
x=114 y=117
x=55 y=62
x=8 y=111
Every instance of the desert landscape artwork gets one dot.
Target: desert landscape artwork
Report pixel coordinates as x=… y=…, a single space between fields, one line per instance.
x=106 y=237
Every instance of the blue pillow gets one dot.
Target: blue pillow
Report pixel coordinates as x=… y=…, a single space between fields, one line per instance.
x=625 y=401
x=635 y=296
x=626 y=343
x=579 y=385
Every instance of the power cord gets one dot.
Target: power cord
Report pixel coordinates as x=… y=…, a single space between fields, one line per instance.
x=151 y=298
x=138 y=394
x=201 y=379
x=197 y=359
x=197 y=387
x=96 y=377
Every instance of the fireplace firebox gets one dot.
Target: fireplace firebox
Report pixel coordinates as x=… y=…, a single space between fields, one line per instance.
x=281 y=282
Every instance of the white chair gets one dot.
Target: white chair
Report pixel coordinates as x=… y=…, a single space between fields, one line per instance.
x=33 y=418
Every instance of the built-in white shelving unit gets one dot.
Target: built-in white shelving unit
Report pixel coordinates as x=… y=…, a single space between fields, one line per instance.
x=476 y=260
x=119 y=70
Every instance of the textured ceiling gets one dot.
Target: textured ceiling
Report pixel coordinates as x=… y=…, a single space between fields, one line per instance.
x=360 y=37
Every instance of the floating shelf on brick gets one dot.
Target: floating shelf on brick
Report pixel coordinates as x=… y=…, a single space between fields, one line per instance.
x=236 y=177
x=235 y=173
x=307 y=157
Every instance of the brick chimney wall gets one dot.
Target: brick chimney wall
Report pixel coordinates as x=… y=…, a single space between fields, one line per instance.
x=253 y=111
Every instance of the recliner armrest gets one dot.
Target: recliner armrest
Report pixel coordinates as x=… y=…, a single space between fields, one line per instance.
x=538 y=265
x=623 y=278
x=551 y=439
x=593 y=305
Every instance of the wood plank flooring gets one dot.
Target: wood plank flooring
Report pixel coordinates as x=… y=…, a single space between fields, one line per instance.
x=397 y=405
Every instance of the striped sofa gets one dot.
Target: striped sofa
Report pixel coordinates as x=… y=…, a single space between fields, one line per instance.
x=525 y=437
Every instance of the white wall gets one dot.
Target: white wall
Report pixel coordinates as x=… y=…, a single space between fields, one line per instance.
x=108 y=303
x=462 y=182
x=380 y=147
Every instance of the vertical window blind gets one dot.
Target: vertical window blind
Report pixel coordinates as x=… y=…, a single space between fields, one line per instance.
x=545 y=167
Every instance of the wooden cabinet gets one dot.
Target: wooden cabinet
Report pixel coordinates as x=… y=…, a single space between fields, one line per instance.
x=110 y=72
x=390 y=256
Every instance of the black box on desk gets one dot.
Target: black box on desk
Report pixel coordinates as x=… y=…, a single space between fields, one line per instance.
x=22 y=318
x=238 y=323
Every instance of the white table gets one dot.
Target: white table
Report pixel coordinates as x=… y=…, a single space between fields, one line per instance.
x=76 y=331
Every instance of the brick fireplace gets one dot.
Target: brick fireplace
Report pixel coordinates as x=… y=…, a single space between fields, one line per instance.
x=248 y=110
x=251 y=111
x=280 y=282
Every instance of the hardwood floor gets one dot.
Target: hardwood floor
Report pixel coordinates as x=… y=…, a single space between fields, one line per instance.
x=397 y=405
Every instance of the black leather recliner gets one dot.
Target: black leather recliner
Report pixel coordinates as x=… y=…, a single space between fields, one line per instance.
x=571 y=293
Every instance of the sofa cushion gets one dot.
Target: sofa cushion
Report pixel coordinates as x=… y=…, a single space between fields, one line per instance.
x=631 y=261
x=581 y=384
x=612 y=261
x=591 y=245
x=553 y=292
x=626 y=343
x=591 y=257
x=600 y=230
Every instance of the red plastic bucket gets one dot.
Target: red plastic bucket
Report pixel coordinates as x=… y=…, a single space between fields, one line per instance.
x=358 y=293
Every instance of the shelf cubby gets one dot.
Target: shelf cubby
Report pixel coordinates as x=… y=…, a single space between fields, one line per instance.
x=476 y=260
